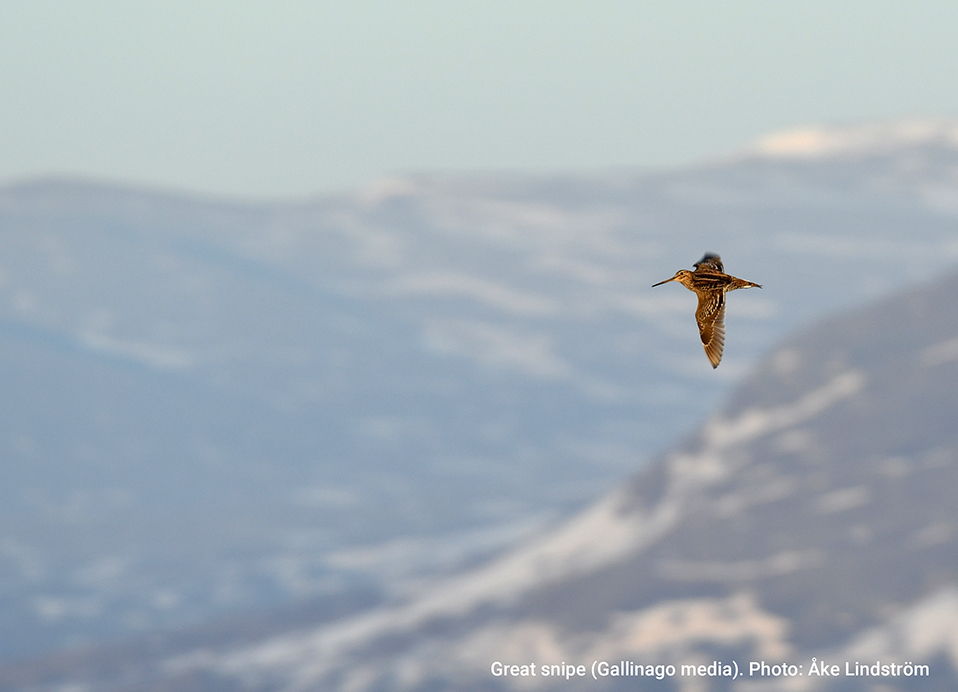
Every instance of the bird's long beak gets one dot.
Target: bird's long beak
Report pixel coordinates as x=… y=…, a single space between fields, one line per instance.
x=663 y=282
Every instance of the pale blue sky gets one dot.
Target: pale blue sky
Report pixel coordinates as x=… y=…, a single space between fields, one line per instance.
x=290 y=99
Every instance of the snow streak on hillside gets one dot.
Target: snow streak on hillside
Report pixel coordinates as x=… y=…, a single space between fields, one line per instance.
x=212 y=407
x=811 y=518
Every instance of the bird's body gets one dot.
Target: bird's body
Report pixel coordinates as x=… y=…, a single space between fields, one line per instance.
x=710 y=283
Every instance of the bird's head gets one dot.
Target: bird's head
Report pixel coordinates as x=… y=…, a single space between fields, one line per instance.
x=683 y=276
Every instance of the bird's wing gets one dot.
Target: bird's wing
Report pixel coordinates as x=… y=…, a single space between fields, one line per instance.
x=710 y=261
x=710 y=316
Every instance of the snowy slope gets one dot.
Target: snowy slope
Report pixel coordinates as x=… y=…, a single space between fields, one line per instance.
x=813 y=516
x=213 y=406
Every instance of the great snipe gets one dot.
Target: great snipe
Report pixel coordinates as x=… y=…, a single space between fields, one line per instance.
x=710 y=283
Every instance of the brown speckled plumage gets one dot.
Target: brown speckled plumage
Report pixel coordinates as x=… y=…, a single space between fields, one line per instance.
x=710 y=283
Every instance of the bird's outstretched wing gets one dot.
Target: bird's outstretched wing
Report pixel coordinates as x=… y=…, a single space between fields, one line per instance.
x=710 y=261
x=710 y=316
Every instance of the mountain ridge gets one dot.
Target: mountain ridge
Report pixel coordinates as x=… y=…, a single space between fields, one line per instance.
x=370 y=389
x=810 y=518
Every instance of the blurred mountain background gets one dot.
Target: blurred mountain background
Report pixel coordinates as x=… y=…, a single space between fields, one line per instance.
x=379 y=411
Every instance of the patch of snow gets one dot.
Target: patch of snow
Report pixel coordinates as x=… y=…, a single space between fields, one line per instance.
x=661 y=634
x=754 y=423
x=743 y=570
x=569 y=550
x=824 y=140
x=919 y=633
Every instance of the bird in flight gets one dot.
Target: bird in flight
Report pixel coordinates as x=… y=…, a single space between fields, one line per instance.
x=710 y=283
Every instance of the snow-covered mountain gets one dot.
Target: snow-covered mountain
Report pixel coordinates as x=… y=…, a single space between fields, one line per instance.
x=811 y=520
x=211 y=406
